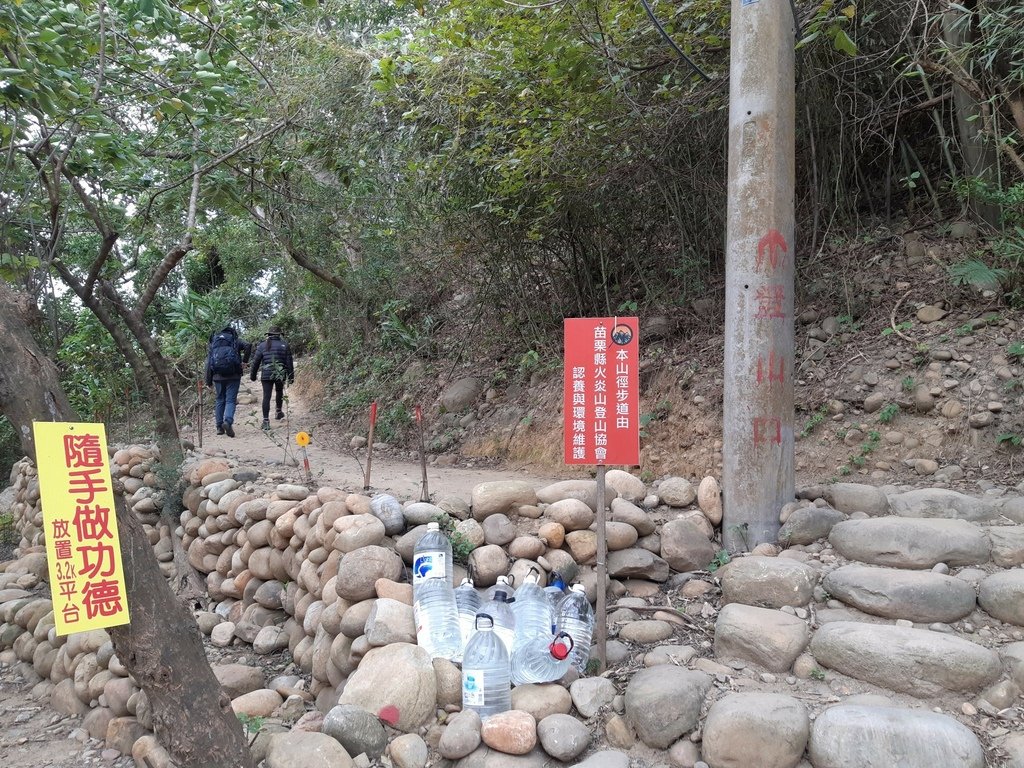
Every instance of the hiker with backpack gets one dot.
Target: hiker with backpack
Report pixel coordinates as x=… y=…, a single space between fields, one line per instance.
x=224 y=360
x=273 y=362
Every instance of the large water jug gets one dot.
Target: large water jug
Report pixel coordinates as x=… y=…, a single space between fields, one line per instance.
x=576 y=618
x=432 y=557
x=541 y=659
x=504 y=584
x=468 y=601
x=486 y=686
x=504 y=621
x=532 y=611
x=437 y=619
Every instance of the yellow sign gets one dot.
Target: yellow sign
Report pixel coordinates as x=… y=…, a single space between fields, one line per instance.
x=83 y=552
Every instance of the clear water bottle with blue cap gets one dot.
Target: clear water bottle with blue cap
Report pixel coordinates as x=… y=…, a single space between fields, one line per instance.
x=437 y=619
x=432 y=558
x=468 y=601
x=576 y=618
x=486 y=685
x=541 y=659
x=555 y=591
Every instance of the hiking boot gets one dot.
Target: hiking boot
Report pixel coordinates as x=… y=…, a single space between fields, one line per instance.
x=280 y=415
x=229 y=429
x=266 y=424
x=220 y=429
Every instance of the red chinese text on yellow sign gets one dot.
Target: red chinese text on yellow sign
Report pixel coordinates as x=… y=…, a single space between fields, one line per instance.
x=83 y=552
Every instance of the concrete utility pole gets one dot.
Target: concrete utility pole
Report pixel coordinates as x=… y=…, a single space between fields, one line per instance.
x=758 y=424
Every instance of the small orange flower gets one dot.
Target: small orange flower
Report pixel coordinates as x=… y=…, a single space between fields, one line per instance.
x=302 y=438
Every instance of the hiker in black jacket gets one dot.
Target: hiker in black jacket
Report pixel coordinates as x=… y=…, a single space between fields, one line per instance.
x=273 y=360
x=224 y=360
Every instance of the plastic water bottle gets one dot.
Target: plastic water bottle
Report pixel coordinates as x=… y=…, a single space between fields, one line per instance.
x=437 y=619
x=432 y=557
x=541 y=659
x=555 y=590
x=532 y=611
x=504 y=585
x=468 y=601
x=486 y=686
x=576 y=618
x=499 y=610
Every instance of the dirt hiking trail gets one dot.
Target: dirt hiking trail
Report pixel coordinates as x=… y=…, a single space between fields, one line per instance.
x=332 y=460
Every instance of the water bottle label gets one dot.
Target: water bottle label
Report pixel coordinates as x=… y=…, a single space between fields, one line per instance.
x=429 y=565
x=472 y=687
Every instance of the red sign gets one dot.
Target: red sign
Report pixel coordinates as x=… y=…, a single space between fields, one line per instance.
x=602 y=390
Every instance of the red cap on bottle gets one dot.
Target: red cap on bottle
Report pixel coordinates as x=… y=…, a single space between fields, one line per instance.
x=559 y=650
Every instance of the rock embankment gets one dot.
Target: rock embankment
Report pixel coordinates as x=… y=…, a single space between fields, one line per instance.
x=865 y=637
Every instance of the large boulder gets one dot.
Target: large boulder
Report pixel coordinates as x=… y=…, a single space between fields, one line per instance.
x=397 y=683
x=303 y=749
x=850 y=497
x=767 y=638
x=358 y=572
x=911 y=543
x=358 y=731
x=685 y=547
x=943 y=503
x=768 y=730
x=770 y=582
x=582 y=490
x=390 y=621
x=663 y=703
x=461 y=394
x=919 y=596
x=628 y=486
x=1002 y=596
x=808 y=524
x=638 y=564
x=677 y=492
x=915 y=661
x=501 y=496
x=854 y=735
x=571 y=514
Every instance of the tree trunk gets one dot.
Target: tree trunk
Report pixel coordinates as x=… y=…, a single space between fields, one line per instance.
x=161 y=647
x=979 y=154
x=29 y=389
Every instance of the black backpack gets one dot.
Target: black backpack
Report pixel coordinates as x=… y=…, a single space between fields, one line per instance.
x=224 y=357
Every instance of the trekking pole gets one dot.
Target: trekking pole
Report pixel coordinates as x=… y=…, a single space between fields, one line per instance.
x=199 y=430
x=424 y=493
x=369 y=445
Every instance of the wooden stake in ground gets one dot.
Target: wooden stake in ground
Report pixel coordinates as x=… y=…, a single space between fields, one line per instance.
x=424 y=492
x=757 y=473
x=302 y=440
x=601 y=609
x=369 y=445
